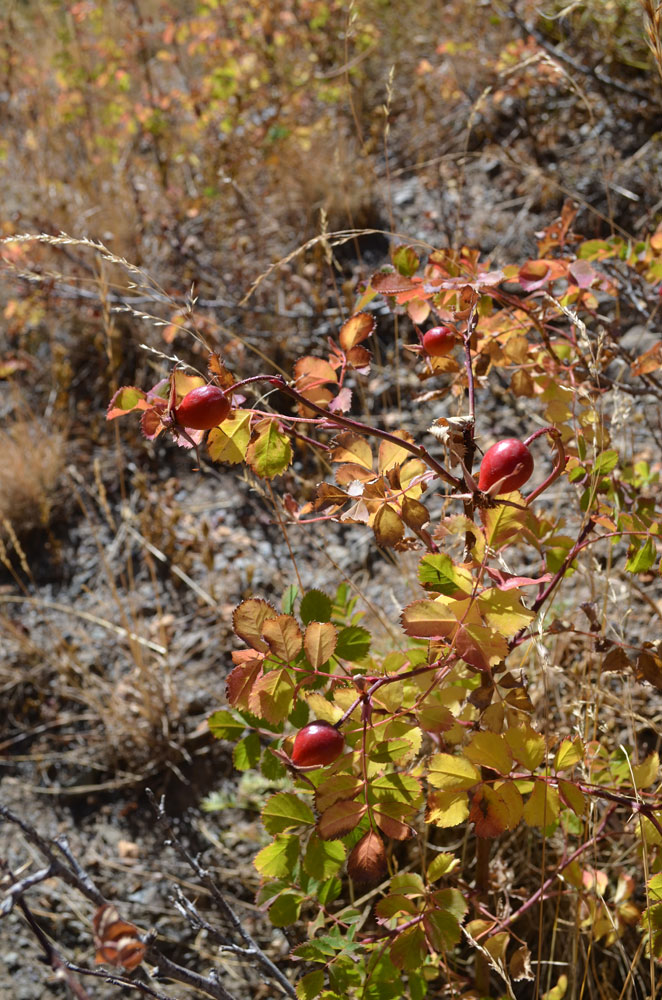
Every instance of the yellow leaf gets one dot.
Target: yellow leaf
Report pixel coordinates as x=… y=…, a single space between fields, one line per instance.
x=452 y=773
x=513 y=801
x=229 y=441
x=504 y=611
x=568 y=754
x=527 y=745
x=391 y=454
x=645 y=774
x=322 y=708
x=357 y=329
x=542 y=809
x=496 y=946
x=490 y=750
x=283 y=636
x=502 y=524
x=446 y=809
x=353 y=449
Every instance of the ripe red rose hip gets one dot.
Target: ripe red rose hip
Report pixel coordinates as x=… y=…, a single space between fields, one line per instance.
x=318 y=743
x=439 y=341
x=203 y=408
x=508 y=458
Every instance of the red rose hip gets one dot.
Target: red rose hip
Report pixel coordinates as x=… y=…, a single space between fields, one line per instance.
x=203 y=408
x=509 y=460
x=317 y=744
x=439 y=341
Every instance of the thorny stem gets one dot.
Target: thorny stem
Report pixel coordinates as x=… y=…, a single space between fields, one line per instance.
x=418 y=451
x=561 y=460
x=482 y=970
x=539 y=894
x=469 y=430
x=365 y=696
x=523 y=634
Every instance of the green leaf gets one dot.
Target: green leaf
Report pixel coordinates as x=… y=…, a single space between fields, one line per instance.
x=329 y=891
x=353 y=643
x=408 y=883
x=224 y=725
x=285 y=811
x=452 y=901
x=280 y=858
x=642 y=559
x=394 y=905
x=310 y=985
x=436 y=572
x=285 y=909
x=405 y=260
x=443 y=930
x=442 y=865
x=272 y=768
x=246 y=754
x=595 y=250
x=125 y=400
x=289 y=599
x=409 y=949
x=315 y=607
x=271 y=452
x=390 y=750
x=606 y=463
x=395 y=787
x=324 y=858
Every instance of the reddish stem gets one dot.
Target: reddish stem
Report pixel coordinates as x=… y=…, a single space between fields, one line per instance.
x=561 y=459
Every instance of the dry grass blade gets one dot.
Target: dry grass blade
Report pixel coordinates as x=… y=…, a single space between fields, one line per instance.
x=653 y=30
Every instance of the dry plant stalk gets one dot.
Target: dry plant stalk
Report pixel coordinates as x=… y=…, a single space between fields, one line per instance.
x=653 y=30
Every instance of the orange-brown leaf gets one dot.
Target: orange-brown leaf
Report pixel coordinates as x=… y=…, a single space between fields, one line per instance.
x=248 y=621
x=388 y=527
x=356 y=329
x=366 y=863
x=239 y=682
x=283 y=636
x=340 y=818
